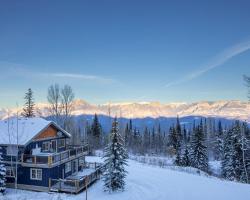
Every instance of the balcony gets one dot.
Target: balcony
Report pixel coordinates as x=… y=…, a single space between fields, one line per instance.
x=50 y=159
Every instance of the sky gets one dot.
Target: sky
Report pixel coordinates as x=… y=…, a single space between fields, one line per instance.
x=125 y=50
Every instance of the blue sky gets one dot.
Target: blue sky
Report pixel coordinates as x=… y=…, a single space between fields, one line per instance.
x=114 y=50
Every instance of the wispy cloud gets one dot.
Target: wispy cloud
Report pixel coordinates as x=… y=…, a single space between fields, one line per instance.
x=217 y=61
x=82 y=76
x=13 y=69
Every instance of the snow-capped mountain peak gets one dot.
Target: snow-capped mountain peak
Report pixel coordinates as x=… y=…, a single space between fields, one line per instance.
x=228 y=109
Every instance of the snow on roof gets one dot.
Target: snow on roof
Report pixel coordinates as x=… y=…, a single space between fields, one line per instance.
x=27 y=129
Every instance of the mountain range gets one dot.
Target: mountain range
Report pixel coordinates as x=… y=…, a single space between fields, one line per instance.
x=222 y=109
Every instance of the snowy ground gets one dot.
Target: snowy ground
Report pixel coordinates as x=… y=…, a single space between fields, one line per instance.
x=146 y=182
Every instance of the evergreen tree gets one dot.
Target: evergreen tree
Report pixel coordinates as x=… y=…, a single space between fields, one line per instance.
x=218 y=146
x=199 y=150
x=2 y=173
x=153 y=140
x=178 y=133
x=178 y=157
x=228 y=169
x=185 y=161
x=245 y=146
x=126 y=137
x=159 y=141
x=28 y=110
x=96 y=132
x=115 y=160
x=146 y=140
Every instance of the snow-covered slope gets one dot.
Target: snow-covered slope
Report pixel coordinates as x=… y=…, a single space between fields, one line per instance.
x=225 y=109
x=150 y=183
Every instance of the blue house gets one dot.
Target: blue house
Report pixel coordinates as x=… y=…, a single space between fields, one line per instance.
x=36 y=151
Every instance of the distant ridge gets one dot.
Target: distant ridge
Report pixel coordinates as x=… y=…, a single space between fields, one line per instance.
x=227 y=109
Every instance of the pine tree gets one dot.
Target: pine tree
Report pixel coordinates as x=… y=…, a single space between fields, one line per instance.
x=96 y=130
x=115 y=160
x=218 y=146
x=28 y=110
x=199 y=150
x=228 y=169
x=2 y=173
x=185 y=161
x=178 y=158
x=245 y=146
x=146 y=140
x=126 y=137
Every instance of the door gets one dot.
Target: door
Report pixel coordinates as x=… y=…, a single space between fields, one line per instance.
x=53 y=146
x=74 y=166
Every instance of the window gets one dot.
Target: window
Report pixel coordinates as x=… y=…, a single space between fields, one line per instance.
x=35 y=174
x=12 y=150
x=67 y=167
x=10 y=172
x=61 y=143
x=46 y=146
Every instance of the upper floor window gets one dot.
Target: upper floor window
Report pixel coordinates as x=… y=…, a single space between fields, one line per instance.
x=46 y=146
x=35 y=174
x=61 y=143
x=12 y=150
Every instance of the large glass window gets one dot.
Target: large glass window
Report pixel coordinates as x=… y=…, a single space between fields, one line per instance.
x=67 y=167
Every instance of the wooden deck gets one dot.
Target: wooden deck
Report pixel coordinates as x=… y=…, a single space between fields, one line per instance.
x=78 y=182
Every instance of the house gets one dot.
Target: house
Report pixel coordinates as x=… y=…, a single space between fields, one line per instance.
x=37 y=151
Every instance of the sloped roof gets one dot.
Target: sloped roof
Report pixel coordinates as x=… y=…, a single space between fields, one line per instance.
x=27 y=128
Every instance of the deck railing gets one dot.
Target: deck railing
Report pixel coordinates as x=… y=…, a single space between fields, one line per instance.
x=74 y=151
x=74 y=185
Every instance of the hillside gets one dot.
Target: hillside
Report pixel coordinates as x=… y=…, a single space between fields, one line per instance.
x=149 y=183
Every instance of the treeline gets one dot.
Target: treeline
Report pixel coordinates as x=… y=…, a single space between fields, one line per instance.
x=205 y=141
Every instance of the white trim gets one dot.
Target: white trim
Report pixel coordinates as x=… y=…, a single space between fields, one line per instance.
x=36 y=174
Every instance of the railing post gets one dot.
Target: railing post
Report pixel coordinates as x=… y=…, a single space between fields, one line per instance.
x=49 y=160
x=49 y=184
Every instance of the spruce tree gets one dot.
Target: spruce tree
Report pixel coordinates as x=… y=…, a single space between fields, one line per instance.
x=218 y=146
x=199 y=150
x=245 y=146
x=28 y=110
x=146 y=140
x=96 y=130
x=178 y=158
x=126 y=136
x=115 y=156
x=185 y=161
x=227 y=164
x=2 y=173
